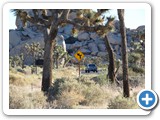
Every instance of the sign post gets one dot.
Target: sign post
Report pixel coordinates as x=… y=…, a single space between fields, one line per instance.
x=79 y=56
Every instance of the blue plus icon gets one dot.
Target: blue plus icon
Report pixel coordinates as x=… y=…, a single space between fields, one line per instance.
x=147 y=99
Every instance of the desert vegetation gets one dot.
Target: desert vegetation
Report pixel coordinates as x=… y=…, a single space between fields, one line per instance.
x=68 y=91
x=56 y=83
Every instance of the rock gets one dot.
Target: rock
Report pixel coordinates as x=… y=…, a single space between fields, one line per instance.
x=114 y=39
x=116 y=25
x=86 y=47
x=68 y=29
x=14 y=38
x=102 y=54
x=99 y=41
x=84 y=43
x=16 y=50
x=128 y=32
x=34 y=28
x=31 y=35
x=129 y=39
x=29 y=32
x=61 y=30
x=72 y=15
x=65 y=36
x=118 y=57
x=90 y=41
x=102 y=47
x=24 y=33
x=29 y=60
x=77 y=44
x=10 y=47
x=40 y=40
x=141 y=29
x=19 y=23
x=94 y=36
x=73 y=46
x=60 y=41
x=28 y=24
x=68 y=46
x=93 y=47
x=83 y=36
x=94 y=53
x=117 y=48
x=71 y=40
x=85 y=51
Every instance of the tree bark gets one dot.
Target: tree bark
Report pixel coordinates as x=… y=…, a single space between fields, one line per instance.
x=111 y=66
x=48 y=60
x=124 y=53
x=47 y=65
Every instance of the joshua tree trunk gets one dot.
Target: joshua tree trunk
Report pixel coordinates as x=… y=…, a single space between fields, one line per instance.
x=48 y=58
x=57 y=60
x=111 y=66
x=124 y=53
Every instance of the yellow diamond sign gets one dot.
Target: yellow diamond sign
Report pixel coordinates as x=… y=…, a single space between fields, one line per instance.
x=79 y=55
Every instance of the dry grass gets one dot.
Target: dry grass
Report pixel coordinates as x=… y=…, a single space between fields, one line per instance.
x=23 y=79
x=20 y=99
x=68 y=72
x=120 y=102
x=69 y=99
x=68 y=91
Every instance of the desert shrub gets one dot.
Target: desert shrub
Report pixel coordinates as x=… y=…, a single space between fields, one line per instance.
x=17 y=79
x=102 y=79
x=55 y=89
x=120 y=102
x=138 y=69
x=18 y=99
x=68 y=92
x=134 y=57
x=85 y=81
x=37 y=100
x=69 y=99
x=135 y=81
x=94 y=95
x=12 y=70
x=71 y=92
x=21 y=79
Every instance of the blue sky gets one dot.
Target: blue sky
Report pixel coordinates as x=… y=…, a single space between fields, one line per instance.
x=133 y=18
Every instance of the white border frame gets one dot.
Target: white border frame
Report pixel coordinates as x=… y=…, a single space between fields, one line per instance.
x=104 y=5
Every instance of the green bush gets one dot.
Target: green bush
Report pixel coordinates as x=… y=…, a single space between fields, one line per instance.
x=134 y=57
x=101 y=79
x=138 y=69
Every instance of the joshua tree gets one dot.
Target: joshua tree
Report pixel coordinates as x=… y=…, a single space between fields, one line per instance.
x=58 y=55
x=49 y=20
x=124 y=53
x=111 y=66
